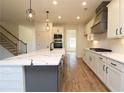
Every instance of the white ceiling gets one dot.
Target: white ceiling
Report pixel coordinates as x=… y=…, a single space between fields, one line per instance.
x=14 y=10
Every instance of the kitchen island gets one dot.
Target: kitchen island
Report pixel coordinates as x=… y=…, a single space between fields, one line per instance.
x=39 y=71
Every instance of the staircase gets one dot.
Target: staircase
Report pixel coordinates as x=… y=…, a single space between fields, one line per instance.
x=11 y=42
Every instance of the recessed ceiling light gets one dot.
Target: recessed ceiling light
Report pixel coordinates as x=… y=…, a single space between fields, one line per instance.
x=78 y=17
x=59 y=17
x=55 y=2
x=84 y=3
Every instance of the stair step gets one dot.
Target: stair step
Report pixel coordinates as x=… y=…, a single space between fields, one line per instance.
x=3 y=42
x=7 y=45
x=13 y=52
x=10 y=47
x=13 y=49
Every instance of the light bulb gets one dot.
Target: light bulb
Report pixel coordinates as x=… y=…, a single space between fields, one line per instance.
x=84 y=3
x=47 y=20
x=78 y=17
x=47 y=27
x=59 y=17
x=30 y=15
x=55 y=2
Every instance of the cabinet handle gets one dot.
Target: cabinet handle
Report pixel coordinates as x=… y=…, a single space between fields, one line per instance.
x=117 y=31
x=103 y=67
x=90 y=59
x=107 y=70
x=121 y=30
x=113 y=64
x=100 y=58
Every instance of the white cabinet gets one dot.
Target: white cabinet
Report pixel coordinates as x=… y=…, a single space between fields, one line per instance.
x=101 y=68
x=110 y=72
x=92 y=61
x=121 y=17
x=11 y=79
x=87 y=31
x=115 y=19
x=115 y=79
x=101 y=71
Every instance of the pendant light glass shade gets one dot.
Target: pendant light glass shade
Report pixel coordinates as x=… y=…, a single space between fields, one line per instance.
x=30 y=14
x=47 y=27
x=47 y=22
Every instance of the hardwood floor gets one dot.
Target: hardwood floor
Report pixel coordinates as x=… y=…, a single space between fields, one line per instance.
x=79 y=78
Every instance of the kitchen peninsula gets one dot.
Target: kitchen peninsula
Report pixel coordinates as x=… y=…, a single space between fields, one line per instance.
x=38 y=71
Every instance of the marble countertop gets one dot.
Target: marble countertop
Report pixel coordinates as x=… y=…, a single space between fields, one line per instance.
x=40 y=57
x=113 y=56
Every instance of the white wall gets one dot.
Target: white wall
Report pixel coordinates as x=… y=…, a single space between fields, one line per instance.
x=43 y=37
x=12 y=27
x=0 y=11
x=117 y=45
x=4 y=53
x=27 y=34
x=81 y=40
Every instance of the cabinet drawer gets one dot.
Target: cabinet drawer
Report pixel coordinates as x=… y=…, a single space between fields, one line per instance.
x=116 y=65
x=101 y=58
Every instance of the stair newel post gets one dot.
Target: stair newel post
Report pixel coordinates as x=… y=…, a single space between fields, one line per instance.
x=17 y=52
x=0 y=37
x=26 y=47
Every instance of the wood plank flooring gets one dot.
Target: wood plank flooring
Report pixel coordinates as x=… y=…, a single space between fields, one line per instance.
x=79 y=78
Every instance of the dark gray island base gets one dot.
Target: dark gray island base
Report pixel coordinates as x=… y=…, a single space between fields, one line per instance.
x=43 y=78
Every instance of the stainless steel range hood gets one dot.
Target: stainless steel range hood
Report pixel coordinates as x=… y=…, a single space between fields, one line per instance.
x=100 y=23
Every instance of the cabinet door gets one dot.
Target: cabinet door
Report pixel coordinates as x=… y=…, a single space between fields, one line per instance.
x=93 y=63
x=90 y=59
x=101 y=71
x=121 y=30
x=113 y=19
x=115 y=79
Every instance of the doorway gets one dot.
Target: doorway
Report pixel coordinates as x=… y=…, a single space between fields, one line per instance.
x=71 y=41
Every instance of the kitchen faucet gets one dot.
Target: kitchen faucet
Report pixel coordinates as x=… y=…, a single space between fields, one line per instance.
x=51 y=48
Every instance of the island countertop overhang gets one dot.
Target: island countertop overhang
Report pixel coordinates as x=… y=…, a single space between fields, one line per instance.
x=43 y=57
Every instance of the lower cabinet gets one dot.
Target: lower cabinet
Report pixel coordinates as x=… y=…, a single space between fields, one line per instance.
x=41 y=78
x=102 y=72
x=11 y=79
x=115 y=79
x=44 y=78
x=110 y=72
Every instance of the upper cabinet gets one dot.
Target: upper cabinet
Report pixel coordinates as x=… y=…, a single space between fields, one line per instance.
x=88 y=30
x=88 y=27
x=115 y=19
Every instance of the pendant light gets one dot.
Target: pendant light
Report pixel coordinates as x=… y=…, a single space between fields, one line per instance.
x=47 y=21
x=30 y=13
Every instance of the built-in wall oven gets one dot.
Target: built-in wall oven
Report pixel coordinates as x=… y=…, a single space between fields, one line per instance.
x=58 y=41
